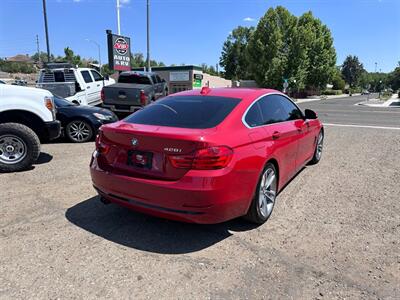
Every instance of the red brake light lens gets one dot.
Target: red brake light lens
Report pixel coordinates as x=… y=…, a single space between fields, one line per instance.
x=211 y=158
x=100 y=146
x=143 y=98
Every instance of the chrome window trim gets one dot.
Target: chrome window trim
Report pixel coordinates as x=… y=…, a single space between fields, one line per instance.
x=258 y=99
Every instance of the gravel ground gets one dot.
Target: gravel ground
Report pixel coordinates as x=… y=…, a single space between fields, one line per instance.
x=334 y=234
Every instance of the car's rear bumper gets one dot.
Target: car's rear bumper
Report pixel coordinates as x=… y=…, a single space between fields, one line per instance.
x=193 y=198
x=122 y=108
x=51 y=130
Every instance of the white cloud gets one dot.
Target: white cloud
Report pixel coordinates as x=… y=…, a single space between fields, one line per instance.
x=249 y=19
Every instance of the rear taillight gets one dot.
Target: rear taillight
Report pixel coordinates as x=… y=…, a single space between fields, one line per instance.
x=143 y=98
x=100 y=146
x=102 y=94
x=211 y=158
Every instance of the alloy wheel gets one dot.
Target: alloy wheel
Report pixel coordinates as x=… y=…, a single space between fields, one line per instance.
x=267 y=194
x=79 y=131
x=12 y=149
x=320 y=145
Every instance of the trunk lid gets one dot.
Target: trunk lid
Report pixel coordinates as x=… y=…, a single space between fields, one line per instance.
x=142 y=150
x=124 y=93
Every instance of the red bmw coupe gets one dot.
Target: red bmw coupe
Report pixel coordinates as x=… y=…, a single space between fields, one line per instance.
x=206 y=156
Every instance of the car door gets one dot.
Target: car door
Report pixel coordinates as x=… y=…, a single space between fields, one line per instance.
x=284 y=134
x=306 y=138
x=156 y=86
x=99 y=83
x=89 y=87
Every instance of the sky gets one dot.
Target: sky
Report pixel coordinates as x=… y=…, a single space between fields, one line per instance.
x=193 y=31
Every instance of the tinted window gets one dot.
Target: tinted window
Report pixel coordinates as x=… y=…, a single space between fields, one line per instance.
x=86 y=76
x=59 y=76
x=96 y=76
x=154 y=78
x=272 y=110
x=254 y=116
x=293 y=113
x=133 y=78
x=159 y=80
x=185 y=112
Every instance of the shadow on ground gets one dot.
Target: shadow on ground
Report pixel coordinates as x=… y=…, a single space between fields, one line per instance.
x=146 y=233
x=43 y=158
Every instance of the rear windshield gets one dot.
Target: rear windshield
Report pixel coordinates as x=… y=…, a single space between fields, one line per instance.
x=185 y=112
x=133 y=78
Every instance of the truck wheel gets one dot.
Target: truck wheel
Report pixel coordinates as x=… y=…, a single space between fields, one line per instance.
x=79 y=131
x=19 y=147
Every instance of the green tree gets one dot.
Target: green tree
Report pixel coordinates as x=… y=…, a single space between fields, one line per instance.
x=70 y=57
x=394 y=78
x=269 y=47
x=321 y=55
x=233 y=58
x=352 y=69
x=337 y=80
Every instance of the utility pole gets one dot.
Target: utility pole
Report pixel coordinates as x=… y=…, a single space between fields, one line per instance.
x=38 y=49
x=47 y=31
x=98 y=49
x=148 y=36
x=118 y=18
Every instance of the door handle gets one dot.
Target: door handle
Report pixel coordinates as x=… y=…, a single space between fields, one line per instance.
x=88 y=87
x=276 y=135
x=98 y=85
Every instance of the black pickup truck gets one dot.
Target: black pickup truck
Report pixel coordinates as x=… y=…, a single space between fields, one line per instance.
x=133 y=90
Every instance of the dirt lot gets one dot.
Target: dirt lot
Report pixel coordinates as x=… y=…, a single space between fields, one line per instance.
x=334 y=234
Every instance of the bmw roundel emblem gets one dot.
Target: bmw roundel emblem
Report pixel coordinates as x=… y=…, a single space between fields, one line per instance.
x=134 y=142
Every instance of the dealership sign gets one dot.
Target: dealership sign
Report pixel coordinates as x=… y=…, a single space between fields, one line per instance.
x=119 y=52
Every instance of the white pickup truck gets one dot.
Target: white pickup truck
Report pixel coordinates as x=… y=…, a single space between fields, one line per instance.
x=26 y=114
x=78 y=85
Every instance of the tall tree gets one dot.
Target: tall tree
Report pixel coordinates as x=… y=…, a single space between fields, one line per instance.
x=269 y=47
x=352 y=70
x=233 y=57
x=321 y=54
x=394 y=78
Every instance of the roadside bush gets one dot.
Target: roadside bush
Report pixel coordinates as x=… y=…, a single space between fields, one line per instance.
x=331 y=92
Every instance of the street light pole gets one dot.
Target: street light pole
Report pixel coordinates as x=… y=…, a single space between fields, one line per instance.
x=118 y=19
x=46 y=30
x=98 y=48
x=148 y=36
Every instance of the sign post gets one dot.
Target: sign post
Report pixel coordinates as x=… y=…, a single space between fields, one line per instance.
x=285 y=85
x=119 y=52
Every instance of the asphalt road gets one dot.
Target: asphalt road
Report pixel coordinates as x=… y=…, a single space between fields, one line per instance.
x=345 y=111
x=334 y=233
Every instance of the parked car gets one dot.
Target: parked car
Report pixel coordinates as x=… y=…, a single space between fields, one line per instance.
x=365 y=92
x=133 y=91
x=81 y=123
x=2 y=82
x=77 y=85
x=206 y=156
x=26 y=116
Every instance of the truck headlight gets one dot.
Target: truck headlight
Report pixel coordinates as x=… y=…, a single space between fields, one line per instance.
x=101 y=116
x=49 y=103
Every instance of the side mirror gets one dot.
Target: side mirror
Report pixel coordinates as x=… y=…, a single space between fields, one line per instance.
x=106 y=77
x=310 y=114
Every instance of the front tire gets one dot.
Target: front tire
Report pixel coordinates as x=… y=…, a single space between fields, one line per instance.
x=318 y=149
x=19 y=147
x=79 y=131
x=264 y=200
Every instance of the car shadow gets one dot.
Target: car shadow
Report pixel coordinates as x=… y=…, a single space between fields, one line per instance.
x=146 y=233
x=44 y=158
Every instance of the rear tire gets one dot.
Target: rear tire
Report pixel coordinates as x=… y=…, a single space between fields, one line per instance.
x=263 y=202
x=19 y=147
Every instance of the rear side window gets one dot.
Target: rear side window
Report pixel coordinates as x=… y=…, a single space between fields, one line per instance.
x=86 y=76
x=133 y=78
x=254 y=116
x=185 y=112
